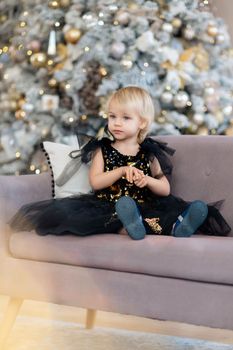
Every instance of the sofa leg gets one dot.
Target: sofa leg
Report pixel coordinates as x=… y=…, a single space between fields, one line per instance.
x=90 y=318
x=9 y=317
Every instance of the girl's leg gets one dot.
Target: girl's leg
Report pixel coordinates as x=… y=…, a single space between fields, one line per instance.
x=130 y=217
x=190 y=220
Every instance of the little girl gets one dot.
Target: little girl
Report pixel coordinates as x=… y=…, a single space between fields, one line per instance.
x=130 y=188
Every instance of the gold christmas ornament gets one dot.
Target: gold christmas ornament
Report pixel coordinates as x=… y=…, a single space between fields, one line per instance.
x=22 y=24
x=212 y=30
x=54 y=4
x=133 y=6
x=52 y=82
x=73 y=35
x=229 y=131
x=203 y=130
x=192 y=129
x=20 y=114
x=103 y=71
x=176 y=23
x=64 y=3
x=38 y=59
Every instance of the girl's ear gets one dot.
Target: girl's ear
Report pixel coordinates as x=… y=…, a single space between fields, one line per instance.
x=143 y=124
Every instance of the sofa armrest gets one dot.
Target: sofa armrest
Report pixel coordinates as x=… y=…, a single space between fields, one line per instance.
x=16 y=191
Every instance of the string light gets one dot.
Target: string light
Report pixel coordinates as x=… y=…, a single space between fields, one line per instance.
x=22 y=24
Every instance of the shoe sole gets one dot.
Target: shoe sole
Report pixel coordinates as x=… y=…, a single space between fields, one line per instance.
x=128 y=212
x=196 y=215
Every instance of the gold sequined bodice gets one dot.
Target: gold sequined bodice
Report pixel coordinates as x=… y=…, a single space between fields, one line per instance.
x=114 y=159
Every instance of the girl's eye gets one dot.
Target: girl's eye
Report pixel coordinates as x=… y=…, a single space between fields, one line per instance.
x=112 y=116
x=126 y=117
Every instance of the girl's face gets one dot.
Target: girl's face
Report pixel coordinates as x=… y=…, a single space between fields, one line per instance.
x=124 y=122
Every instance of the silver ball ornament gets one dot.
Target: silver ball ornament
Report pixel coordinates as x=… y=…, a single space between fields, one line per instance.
x=118 y=50
x=167 y=27
x=220 y=39
x=122 y=18
x=166 y=97
x=227 y=110
x=189 y=33
x=198 y=118
x=181 y=99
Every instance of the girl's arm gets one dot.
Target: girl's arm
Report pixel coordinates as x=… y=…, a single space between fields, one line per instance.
x=100 y=179
x=159 y=185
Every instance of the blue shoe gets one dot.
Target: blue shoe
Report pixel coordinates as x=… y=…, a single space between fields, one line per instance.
x=192 y=218
x=129 y=215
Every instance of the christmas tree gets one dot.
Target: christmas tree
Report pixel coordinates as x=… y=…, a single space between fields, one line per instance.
x=61 y=59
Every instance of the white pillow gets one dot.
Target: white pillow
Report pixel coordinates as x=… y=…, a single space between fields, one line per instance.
x=58 y=156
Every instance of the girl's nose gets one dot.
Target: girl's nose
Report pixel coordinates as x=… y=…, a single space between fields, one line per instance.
x=117 y=121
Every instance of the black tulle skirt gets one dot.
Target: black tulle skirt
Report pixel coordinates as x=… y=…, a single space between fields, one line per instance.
x=86 y=214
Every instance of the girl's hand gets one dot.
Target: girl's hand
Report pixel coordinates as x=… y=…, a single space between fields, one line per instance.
x=131 y=173
x=142 y=181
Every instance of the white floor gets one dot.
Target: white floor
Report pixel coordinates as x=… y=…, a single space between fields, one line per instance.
x=50 y=312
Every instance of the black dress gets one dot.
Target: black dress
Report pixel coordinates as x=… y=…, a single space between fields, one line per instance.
x=94 y=213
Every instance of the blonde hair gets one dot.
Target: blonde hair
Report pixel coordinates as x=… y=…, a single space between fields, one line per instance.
x=139 y=99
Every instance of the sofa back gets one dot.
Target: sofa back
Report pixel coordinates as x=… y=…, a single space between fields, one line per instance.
x=203 y=169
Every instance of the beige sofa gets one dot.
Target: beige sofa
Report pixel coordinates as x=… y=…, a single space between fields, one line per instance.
x=178 y=279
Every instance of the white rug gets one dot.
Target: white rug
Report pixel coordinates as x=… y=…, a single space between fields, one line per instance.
x=30 y=333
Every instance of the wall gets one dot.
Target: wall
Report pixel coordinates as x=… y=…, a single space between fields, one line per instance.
x=224 y=9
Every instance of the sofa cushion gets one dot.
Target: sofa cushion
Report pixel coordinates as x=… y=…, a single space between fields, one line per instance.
x=199 y=258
